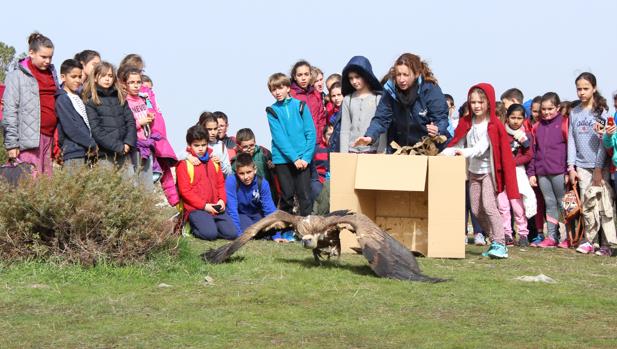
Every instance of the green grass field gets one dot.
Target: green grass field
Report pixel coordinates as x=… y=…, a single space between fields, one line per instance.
x=273 y=296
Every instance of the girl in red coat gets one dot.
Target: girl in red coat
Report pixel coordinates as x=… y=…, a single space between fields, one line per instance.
x=482 y=139
x=303 y=90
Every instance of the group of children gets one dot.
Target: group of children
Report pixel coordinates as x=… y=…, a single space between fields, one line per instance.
x=522 y=157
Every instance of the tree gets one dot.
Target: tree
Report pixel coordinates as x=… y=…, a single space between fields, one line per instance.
x=7 y=57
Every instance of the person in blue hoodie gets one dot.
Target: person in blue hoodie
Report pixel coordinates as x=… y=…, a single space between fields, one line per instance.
x=248 y=195
x=74 y=135
x=412 y=106
x=293 y=145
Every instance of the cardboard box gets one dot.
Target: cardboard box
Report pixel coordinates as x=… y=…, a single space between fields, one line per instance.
x=419 y=200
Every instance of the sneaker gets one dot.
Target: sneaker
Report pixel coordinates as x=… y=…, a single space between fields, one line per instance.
x=537 y=240
x=479 y=240
x=604 y=251
x=564 y=244
x=509 y=241
x=289 y=236
x=585 y=248
x=498 y=251
x=547 y=243
x=523 y=242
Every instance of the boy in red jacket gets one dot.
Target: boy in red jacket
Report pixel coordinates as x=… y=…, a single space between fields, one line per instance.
x=202 y=189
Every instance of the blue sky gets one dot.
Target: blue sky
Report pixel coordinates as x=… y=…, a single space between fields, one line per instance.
x=218 y=55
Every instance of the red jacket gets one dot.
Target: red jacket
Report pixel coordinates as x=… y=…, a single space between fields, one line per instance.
x=208 y=186
x=313 y=100
x=504 y=169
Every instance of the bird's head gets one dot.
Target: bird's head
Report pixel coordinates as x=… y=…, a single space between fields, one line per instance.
x=310 y=241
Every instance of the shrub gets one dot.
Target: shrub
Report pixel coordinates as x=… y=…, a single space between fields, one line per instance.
x=88 y=217
x=2 y=150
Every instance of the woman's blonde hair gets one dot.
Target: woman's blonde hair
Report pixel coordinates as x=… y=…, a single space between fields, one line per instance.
x=416 y=65
x=90 y=92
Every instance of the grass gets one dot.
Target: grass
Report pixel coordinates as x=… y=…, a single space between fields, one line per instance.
x=273 y=296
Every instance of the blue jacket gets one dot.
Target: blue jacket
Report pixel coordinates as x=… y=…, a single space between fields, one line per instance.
x=407 y=125
x=293 y=135
x=335 y=138
x=248 y=200
x=73 y=135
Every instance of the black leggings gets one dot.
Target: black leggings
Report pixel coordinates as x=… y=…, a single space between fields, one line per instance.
x=295 y=182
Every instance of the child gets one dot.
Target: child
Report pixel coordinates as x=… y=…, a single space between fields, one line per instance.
x=333 y=78
x=220 y=156
x=147 y=81
x=302 y=90
x=88 y=59
x=520 y=144
x=452 y=115
x=362 y=93
x=482 y=139
x=142 y=159
x=536 y=225
x=586 y=156
x=512 y=96
x=248 y=195
x=336 y=99
x=548 y=167
x=230 y=142
x=262 y=157
x=202 y=189
x=293 y=144
x=317 y=80
x=321 y=158
x=111 y=120
x=78 y=146
x=29 y=117
x=535 y=109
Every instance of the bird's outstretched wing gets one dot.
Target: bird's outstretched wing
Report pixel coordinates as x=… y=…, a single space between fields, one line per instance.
x=278 y=220
x=386 y=256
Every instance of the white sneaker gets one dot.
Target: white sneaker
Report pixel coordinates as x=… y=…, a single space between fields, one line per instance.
x=479 y=240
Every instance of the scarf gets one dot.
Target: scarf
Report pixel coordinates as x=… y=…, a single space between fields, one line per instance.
x=408 y=98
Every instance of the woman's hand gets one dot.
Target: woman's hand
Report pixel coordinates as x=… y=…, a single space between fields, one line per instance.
x=362 y=141
x=432 y=129
x=193 y=159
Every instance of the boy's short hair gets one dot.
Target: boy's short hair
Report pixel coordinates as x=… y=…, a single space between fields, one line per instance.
x=69 y=65
x=244 y=159
x=206 y=117
x=336 y=76
x=196 y=133
x=513 y=93
x=334 y=85
x=221 y=115
x=278 y=80
x=244 y=134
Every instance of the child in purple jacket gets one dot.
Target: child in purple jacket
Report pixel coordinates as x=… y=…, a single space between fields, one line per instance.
x=548 y=167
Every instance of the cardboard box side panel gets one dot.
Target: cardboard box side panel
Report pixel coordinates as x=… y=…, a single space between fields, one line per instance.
x=387 y=172
x=411 y=232
x=446 y=203
x=342 y=193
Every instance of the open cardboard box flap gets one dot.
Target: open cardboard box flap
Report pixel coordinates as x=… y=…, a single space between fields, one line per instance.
x=387 y=172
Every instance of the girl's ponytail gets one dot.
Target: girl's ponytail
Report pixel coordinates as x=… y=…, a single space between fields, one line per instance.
x=37 y=40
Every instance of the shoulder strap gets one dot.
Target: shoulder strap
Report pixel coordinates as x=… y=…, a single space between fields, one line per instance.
x=270 y=111
x=259 y=182
x=565 y=124
x=302 y=104
x=190 y=168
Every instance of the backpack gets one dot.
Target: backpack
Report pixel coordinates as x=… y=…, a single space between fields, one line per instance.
x=259 y=183
x=271 y=111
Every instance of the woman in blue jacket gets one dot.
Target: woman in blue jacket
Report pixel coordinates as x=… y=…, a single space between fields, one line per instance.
x=412 y=105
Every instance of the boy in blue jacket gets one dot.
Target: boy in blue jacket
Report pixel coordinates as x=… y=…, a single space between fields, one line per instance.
x=74 y=135
x=293 y=145
x=248 y=195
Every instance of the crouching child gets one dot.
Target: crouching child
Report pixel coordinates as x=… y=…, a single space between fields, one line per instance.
x=202 y=190
x=248 y=194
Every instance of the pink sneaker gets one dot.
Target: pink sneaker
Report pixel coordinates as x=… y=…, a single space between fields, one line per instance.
x=564 y=244
x=548 y=243
x=585 y=248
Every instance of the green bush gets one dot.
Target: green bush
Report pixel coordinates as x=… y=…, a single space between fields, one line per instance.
x=2 y=150
x=86 y=218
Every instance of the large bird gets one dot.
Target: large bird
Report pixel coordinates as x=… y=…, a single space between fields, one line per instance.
x=386 y=256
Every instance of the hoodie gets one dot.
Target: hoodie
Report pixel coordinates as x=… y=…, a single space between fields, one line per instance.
x=314 y=101
x=358 y=111
x=293 y=135
x=207 y=187
x=550 y=149
x=502 y=161
x=249 y=200
x=406 y=124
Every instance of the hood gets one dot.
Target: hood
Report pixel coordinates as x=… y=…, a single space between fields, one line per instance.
x=390 y=87
x=362 y=66
x=489 y=91
x=299 y=90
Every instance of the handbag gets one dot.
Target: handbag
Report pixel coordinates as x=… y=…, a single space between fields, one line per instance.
x=14 y=171
x=572 y=209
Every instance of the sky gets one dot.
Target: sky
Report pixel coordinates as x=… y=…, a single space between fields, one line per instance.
x=218 y=55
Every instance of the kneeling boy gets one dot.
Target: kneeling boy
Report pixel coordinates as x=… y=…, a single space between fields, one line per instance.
x=248 y=194
x=202 y=189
